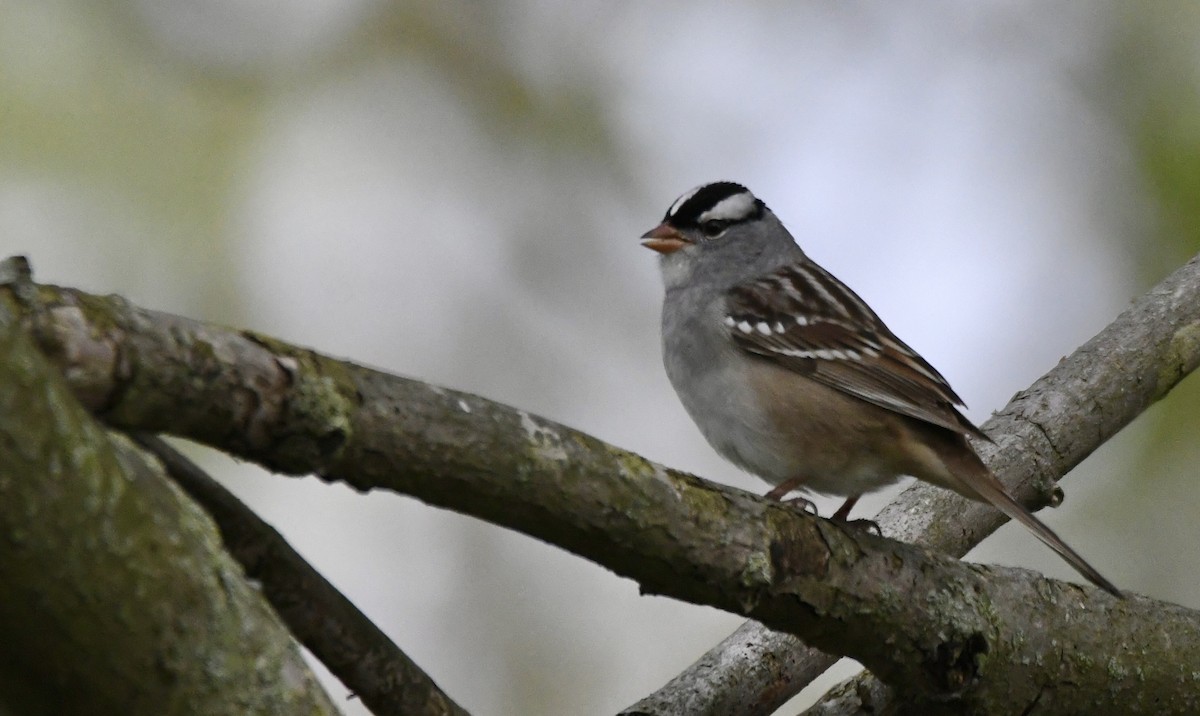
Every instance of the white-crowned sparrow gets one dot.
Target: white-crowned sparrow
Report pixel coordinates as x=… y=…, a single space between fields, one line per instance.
x=791 y=376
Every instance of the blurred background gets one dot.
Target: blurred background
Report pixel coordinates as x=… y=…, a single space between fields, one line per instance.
x=454 y=191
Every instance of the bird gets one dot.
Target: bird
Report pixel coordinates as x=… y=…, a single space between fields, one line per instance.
x=792 y=377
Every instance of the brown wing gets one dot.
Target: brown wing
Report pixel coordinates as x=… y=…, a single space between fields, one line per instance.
x=803 y=318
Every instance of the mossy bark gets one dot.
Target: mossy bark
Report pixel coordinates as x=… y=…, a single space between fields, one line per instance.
x=116 y=595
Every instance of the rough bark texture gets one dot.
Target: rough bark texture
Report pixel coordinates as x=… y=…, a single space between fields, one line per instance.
x=1043 y=433
x=961 y=638
x=751 y=672
x=118 y=597
x=334 y=630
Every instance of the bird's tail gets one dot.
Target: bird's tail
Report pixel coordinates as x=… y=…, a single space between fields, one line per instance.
x=983 y=483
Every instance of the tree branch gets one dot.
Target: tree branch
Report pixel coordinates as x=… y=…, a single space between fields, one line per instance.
x=118 y=598
x=1044 y=432
x=333 y=629
x=752 y=672
x=955 y=631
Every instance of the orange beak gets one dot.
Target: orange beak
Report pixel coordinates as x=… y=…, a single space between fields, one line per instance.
x=664 y=239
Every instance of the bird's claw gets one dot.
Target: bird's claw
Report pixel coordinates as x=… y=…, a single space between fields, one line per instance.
x=804 y=504
x=863 y=524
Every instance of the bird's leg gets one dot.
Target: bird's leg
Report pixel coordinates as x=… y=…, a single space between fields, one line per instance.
x=779 y=491
x=843 y=515
x=843 y=512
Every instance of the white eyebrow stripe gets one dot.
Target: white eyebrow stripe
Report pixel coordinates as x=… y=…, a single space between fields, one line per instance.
x=683 y=200
x=731 y=208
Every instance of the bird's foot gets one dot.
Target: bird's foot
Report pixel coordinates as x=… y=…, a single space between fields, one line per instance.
x=843 y=516
x=862 y=524
x=804 y=504
x=782 y=489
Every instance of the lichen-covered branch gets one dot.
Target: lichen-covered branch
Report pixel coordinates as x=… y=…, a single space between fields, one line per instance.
x=987 y=639
x=118 y=597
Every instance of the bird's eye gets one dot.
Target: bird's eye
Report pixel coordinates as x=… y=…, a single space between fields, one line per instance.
x=712 y=227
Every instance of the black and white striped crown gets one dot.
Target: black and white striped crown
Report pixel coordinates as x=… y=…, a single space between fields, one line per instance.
x=724 y=202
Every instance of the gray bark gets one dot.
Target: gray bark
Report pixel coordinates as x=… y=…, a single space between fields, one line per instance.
x=960 y=638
